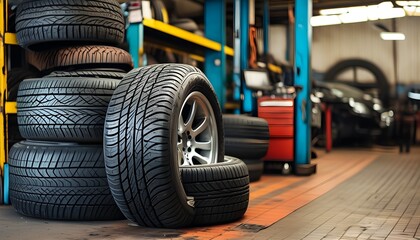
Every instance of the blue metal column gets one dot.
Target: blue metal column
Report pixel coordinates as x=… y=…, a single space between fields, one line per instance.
x=237 y=54
x=303 y=31
x=215 y=62
x=266 y=26
x=135 y=42
x=247 y=100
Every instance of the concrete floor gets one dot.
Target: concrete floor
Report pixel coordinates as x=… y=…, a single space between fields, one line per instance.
x=356 y=194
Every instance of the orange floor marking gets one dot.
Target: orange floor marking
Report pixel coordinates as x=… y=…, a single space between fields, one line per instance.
x=271 y=208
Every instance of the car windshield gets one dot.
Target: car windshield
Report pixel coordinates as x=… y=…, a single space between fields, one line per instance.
x=348 y=91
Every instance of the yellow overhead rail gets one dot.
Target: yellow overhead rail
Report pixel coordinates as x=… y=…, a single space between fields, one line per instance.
x=185 y=35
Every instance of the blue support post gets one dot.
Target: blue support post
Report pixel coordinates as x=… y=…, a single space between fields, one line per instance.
x=247 y=99
x=303 y=31
x=135 y=42
x=215 y=62
x=266 y=26
x=237 y=54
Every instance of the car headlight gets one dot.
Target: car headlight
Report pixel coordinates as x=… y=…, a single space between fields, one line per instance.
x=358 y=107
x=387 y=118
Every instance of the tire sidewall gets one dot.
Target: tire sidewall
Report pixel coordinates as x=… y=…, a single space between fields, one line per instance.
x=195 y=81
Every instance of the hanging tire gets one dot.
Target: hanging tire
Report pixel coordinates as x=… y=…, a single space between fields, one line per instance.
x=69 y=109
x=159 y=118
x=63 y=181
x=255 y=168
x=245 y=137
x=220 y=191
x=81 y=57
x=44 y=24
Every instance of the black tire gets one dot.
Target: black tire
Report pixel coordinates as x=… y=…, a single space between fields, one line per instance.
x=140 y=143
x=255 y=169
x=60 y=181
x=97 y=73
x=245 y=137
x=44 y=24
x=220 y=191
x=80 y=57
x=382 y=83
x=14 y=78
x=64 y=108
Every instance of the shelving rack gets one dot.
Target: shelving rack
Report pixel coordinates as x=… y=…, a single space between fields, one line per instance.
x=5 y=106
x=211 y=49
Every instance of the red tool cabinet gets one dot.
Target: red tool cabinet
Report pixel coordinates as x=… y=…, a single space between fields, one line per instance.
x=279 y=113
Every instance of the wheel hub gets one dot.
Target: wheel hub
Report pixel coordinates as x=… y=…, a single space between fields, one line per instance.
x=197 y=132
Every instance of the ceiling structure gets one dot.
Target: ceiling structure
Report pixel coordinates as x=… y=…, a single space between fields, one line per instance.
x=279 y=8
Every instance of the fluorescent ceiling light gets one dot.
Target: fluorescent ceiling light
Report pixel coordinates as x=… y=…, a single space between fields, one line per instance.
x=392 y=36
x=353 y=18
x=384 y=10
x=324 y=20
x=384 y=5
x=408 y=3
x=392 y=13
x=333 y=11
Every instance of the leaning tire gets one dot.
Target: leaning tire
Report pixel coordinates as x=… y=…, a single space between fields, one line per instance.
x=46 y=23
x=60 y=181
x=144 y=130
x=81 y=57
x=245 y=137
x=64 y=108
x=220 y=191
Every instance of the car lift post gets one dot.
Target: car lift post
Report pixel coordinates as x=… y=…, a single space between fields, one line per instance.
x=328 y=128
x=215 y=61
x=303 y=31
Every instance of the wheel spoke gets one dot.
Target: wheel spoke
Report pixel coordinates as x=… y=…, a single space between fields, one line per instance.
x=203 y=126
x=203 y=145
x=191 y=116
x=201 y=159
x=179 y=146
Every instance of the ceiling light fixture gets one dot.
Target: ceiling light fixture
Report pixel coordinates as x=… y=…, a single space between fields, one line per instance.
x=392 y=36
x=408 y=3
x=325 y=20
x=384 y=10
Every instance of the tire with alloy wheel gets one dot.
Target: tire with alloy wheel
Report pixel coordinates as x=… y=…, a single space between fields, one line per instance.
x=70 y=109
x=47 y=23
x=64 y=181
x=81 y=57
x=220 y=191
x=160 y=117
x=245 y=137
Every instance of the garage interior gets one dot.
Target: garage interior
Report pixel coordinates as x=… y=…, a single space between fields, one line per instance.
x=194 y=119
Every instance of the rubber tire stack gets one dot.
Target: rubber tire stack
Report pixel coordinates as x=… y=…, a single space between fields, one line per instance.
x=247 y=138
x=59 y=171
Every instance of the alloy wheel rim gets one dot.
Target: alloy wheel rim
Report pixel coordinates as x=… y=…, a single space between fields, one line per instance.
x=197 y=132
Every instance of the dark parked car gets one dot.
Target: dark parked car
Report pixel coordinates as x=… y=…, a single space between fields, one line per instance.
x=355 y=114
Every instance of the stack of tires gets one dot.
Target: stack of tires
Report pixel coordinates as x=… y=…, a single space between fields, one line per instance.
x=58 y=172
x=247 y=138
x=149 y=147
